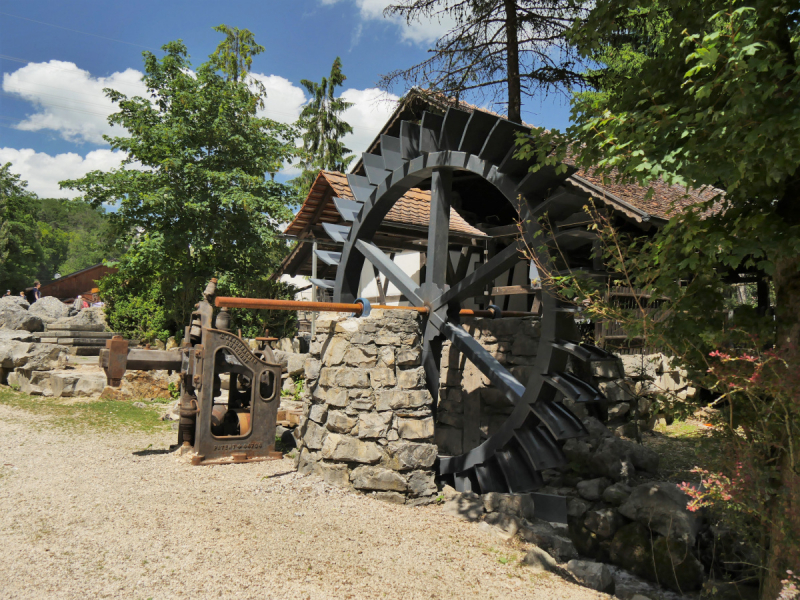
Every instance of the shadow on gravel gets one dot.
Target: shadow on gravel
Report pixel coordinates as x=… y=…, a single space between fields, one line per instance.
x=151 y=452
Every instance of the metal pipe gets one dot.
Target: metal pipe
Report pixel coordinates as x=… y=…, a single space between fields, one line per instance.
x=268 y=304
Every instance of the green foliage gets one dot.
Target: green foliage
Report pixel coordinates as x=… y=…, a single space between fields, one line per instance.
x=174 y=390
x=711 y=103
x=323 y=129
x=256 y=323
x=21 y=252
x=134 y=308
x=198 y=204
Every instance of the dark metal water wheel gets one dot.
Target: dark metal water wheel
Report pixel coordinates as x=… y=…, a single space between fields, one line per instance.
x=439 y=149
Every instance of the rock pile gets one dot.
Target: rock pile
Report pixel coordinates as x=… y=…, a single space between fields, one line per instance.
x=19 y=353
x=367 y=421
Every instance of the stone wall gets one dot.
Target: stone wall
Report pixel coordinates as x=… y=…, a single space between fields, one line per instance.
x=367 y=418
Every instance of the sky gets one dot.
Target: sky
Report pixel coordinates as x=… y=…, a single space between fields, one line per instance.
x=56 y=58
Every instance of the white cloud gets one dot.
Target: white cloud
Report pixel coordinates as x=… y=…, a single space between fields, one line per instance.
x=371 y=109
x=43 y=171
x=284 y=99
x=69 y=100
x=424 y=32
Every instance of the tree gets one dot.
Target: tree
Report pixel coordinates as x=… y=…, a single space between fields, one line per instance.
x=193 y=200
x=323 y=128
x=713 y=104
x=519 y=46
x=20 y=250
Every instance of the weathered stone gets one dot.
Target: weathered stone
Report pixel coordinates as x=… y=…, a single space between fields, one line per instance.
x=628 y=430
x=49 y=309
x=661 y=506
x=349 y=449
x=339 y=422
x=377 y=478
x=373 y=425
x=382 y=377
x=593 y=575
x=362 y=403
x=615 y=391
x=616 y=494
x=20 y=320
x=610 y=369
x=336 y=397
x=334 y=352
x=89 y=319
x=520 y=505
x=676 y=565
x=592 y=489
x=539 y=561
x=409 y=357
x=410 y=455
x=631 y=549
x=314 y=435
x=415 y=429
x=577 y=507
x=525 y=346
x=14 y=302
x=613 y=459
x=545 y=536
x=400 y=399
x=466 y=505
x=507 y=522
x=604 y=522
x=352 y=378
x=617 y=411
x=288 y=386
x=318 y=412
x=295 y=365
x=422 y=483
x=386 y=357
x=33 y=357
x=388 y=339
x=361 y=356
x=449 y=440
x=411 y=378
x=311 y=368
x=281 y=358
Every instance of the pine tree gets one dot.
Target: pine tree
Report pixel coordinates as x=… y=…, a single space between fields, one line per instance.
x=323 y=129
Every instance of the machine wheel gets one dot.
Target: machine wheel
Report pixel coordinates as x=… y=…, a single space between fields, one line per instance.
x=439 y=149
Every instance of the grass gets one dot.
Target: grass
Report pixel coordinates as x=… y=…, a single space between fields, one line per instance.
x=72 y=413
x=681 y=447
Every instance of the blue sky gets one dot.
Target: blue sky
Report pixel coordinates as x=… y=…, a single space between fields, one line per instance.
x=57 y=56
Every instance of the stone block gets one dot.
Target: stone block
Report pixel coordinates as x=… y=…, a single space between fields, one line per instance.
x=295 y=365
x=449 y=440
x=592 y=489
x=386 y=357
x=545 y=536
x=610 y=369
x=520 y=505
x=377 y=478
x=400 y=399
x=525 y=346
x=415 y=429
x=337 y=397
x=382 y=377
x=615 y=391
x=411 y=378
x=539 y=561
x=388 y=339
x=596 y=576
x=409 y=357
x=410 y=455
x=361 y=356
x=373 y=425
x=422 y=483
x=318 y=412
x=334 y=352
x=390 y=497
x=314 y=436
x=339 y=422
x=603 y=522
x=467 y=505
x=617 y=411
x=353 y=378
x=349 y=449
x=334 y=473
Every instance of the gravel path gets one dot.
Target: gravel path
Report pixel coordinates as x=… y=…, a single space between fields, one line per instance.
x=95 y=515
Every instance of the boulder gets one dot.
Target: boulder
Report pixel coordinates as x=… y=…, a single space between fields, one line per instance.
x=539 y=560
x=508 y=523
x=14 y=302
x=593 y=575
x=547 y=537
x=592 y=489
x=586 y=541
x=613 y=459
x=281 y=358
x=422 y=483
x=616 y=494
x=89 y=319
x=466 y=505
x=661 y=507
x=18 y=319
x=604 y=522
x=631 y=549
x=7 y=335
x=49 y=309
x=677 y=568
x=33 y=357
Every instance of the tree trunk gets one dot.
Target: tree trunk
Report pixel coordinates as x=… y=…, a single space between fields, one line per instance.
x=784 y=531
x=512 y=63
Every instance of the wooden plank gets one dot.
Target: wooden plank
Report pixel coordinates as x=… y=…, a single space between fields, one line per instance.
x=513 y=290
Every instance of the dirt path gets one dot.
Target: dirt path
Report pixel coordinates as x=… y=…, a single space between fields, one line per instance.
x=95 y=515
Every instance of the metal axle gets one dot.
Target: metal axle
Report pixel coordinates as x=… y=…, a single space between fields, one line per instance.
x=267 y=304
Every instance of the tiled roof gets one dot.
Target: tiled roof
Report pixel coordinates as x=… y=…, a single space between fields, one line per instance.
x=659 y=205
x=413 y=208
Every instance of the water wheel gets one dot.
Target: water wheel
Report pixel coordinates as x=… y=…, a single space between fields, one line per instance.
x=439 y=149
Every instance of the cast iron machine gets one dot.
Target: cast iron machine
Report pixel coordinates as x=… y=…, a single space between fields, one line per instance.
x=229 y=395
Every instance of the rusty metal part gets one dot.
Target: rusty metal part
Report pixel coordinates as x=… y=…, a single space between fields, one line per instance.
x=116 y=360
x=268 y=304
x=144 y=360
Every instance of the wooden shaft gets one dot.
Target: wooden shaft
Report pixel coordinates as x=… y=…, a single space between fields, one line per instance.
x=267 y=304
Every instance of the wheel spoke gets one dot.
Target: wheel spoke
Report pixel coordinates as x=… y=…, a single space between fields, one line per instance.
x=391 y=271
x=439 y=227
x=484 y=274
x=486 y=363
